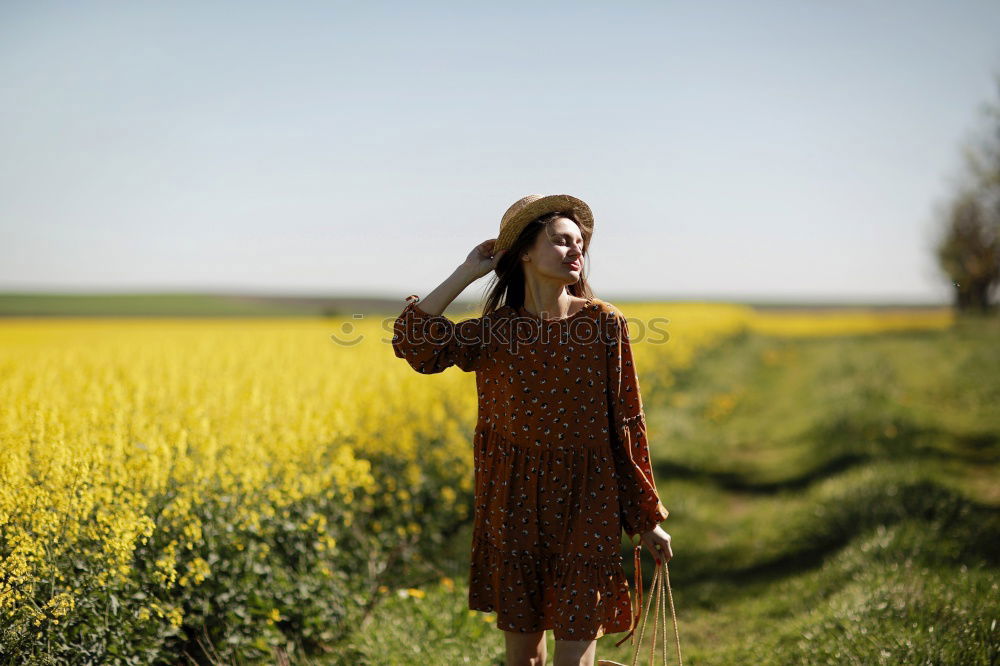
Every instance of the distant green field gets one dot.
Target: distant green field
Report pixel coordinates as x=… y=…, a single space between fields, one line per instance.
x=176 y=304
x=843 y=509
x=187 y=304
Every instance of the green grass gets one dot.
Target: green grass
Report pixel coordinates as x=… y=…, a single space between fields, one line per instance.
x=845 y=509
x=190 y=304
x=160 y=304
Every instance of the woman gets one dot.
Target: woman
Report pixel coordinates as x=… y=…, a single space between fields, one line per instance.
x=561 y=457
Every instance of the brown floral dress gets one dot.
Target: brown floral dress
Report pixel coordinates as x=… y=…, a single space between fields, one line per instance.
x=561 y=461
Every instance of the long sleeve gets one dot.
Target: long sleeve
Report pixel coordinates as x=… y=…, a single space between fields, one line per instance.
x=641 y=509
x=433 y=343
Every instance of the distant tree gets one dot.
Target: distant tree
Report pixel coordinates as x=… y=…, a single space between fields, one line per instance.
x=968 y=250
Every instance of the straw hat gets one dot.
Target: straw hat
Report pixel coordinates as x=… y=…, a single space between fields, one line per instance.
x=533 y=206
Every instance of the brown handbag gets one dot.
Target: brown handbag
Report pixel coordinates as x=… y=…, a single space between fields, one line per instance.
x=661 y=575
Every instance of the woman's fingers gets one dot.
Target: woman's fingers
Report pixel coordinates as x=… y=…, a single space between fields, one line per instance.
x=482 y=258
x=660 y=547
x=486 y=247
x=487 y=253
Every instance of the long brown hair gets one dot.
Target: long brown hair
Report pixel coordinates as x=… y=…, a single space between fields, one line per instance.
x=507 y=285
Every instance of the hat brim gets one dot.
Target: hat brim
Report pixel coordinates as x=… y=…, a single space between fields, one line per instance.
x=532 y=211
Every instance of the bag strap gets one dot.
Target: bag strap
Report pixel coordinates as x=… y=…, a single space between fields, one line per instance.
x=637 y=606
x=665 y=579
x=661 y=578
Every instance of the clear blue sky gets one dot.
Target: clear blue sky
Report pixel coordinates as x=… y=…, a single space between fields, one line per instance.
x=746 y=150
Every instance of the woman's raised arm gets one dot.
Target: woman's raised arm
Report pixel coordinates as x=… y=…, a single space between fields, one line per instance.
x=429 y=341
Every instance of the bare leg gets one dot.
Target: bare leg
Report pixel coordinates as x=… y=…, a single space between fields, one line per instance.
x=527 y=649
x=575 y=653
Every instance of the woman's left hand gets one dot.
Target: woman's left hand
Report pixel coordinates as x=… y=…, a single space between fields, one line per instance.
x=658 y=542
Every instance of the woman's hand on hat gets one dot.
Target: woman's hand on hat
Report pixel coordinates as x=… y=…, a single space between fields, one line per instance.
x=482 y=259
x=658 y=542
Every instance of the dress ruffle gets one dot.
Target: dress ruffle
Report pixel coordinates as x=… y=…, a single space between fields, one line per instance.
x=530 y=495
x=580 y=591
x=534 y=591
